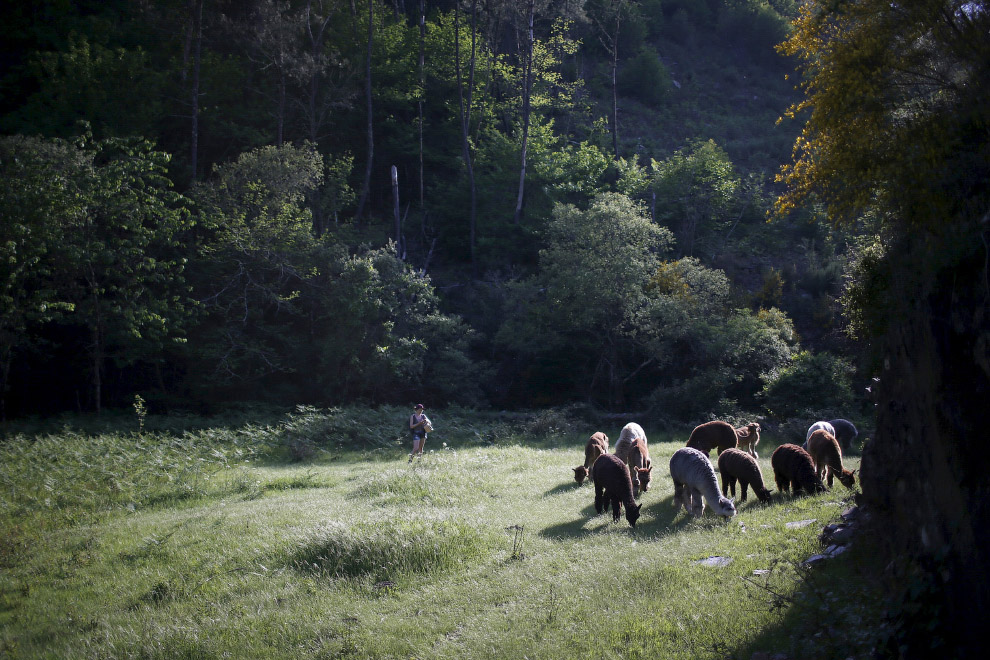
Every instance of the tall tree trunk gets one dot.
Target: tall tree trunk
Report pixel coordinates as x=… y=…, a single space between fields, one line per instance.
x=5 y=360
x=280 y=120
x=419 y=103
x=196 y=7
x=97 y=357
x=366 y=185
x=615 y=89
x=395 y=211
x=316 y=39
x=465 y=117
x=527 y=87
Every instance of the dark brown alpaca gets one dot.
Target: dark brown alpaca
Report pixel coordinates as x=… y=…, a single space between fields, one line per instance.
x=792 y=466
x=712 y=435
x=613 y=485
x=735 y=464
x=596 y=446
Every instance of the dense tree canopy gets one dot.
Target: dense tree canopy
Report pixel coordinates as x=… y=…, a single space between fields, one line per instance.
x=541 y=174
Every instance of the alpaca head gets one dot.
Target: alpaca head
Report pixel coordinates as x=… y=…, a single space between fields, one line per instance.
x=847 y=478
x=632 y=513
x=644 y=478
x=762 y=493
x=580 y=474
x=725 y=507
x=753 y=428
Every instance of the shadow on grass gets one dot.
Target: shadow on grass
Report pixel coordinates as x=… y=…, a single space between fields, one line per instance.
x=565 y=488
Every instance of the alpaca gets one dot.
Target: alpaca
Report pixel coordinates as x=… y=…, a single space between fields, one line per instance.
x=824 y=426
x=640 y=466
x=736 y=464
x=827 y=456
x=628 y=436
x=613 y=485
x=596 y=446
x=845 y=432
x=631 y=431
x=710 y=435
x=792 y=466
x=749 y=437
x=694 y=477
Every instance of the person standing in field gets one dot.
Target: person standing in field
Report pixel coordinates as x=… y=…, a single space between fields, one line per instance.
x=419 y=426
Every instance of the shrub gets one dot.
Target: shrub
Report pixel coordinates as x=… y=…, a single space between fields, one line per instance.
x=812 y=383
x=644 y=77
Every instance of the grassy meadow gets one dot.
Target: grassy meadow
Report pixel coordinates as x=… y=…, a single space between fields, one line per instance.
x=313 y=537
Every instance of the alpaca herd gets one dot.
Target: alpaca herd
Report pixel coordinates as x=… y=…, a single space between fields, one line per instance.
x=622 y=476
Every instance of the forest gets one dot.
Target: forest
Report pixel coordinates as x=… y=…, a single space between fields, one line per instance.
x=501 y=204
x=678 y=210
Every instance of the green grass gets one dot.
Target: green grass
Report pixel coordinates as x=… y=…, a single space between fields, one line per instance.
x=217 y=543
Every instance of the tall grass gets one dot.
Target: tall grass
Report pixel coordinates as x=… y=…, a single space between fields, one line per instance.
x=218 y=542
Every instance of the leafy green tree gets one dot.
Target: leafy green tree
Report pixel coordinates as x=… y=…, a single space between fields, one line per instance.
x=813 y=385
x=41 y=191
x=696 y=196
x=300 y=317
x=258 y=251
x=100 y=245
x=707 y=357
x=585 y=300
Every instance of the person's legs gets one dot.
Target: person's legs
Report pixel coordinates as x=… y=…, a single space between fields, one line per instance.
x=417 y=447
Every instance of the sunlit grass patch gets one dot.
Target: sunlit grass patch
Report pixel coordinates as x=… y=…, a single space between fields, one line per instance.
x=389 y=549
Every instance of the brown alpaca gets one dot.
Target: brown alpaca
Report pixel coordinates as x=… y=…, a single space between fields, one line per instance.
x=613 y=486
x=736 y=464
x=640 y=466
x=749 y=437
x=711 y=435
x=827 y=457
x=792 y=466
x=596 y=446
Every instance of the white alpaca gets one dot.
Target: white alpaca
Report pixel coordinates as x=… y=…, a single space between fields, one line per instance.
x=694 y=478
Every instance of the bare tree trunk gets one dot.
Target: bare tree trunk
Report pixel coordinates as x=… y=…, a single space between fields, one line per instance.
x=280 y=130
x=419 y=103
x=615 y=89
x=371 y=134
x=196 y=7
x=465 y=117
x=527 y=87
x=395 y=211
x=97 y=357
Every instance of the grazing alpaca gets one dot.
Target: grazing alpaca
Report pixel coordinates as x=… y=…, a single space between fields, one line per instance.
x=613 y=485
x=596 y=446
x=710 y=435
x=845 y=432
x=640 y=466
x=822 y=426
x=792 y=466
x=694 y=477
x=827 y=457
x=628 y=436
x=630 y=432
x=749 y=437
x=736 y=464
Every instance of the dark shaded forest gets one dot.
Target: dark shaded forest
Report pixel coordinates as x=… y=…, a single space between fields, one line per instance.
x=493 y=203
